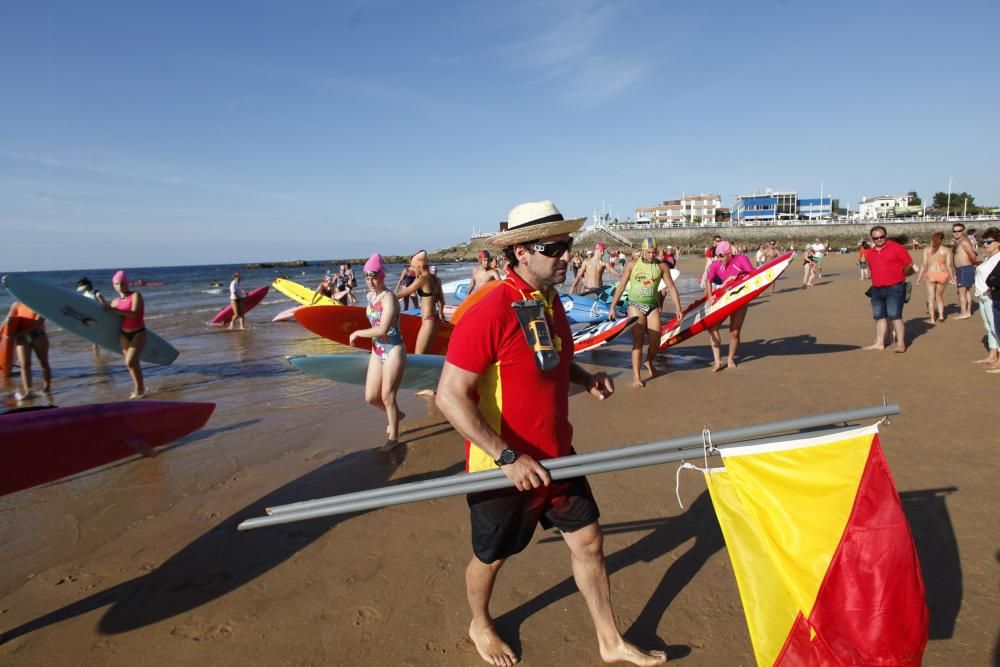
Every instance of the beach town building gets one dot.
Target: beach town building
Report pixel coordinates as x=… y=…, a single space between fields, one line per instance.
x=767 y=206
x=775 y=207
x=702 y=208
x=885 y=206
x=819 y=208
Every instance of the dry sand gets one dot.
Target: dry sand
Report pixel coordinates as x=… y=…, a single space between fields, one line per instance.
x=142 y=567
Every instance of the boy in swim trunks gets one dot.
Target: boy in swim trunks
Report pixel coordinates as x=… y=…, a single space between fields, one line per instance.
x=642 y=275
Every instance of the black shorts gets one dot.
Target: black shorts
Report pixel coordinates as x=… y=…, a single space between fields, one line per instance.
x=504 y=520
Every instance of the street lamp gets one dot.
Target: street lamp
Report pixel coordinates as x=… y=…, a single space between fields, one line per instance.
x=948 y=211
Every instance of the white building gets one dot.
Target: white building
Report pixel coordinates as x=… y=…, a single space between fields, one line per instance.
x=689 y=208
x=884 y=206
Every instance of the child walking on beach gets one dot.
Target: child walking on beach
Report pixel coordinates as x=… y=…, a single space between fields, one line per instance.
x=388 y=358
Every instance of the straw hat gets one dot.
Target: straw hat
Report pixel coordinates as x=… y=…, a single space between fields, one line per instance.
x=534 y=220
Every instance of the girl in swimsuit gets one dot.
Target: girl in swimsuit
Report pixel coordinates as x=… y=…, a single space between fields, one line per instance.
x=30 y=337
x=132 y=334
x=729 y=268
x=426 y=289
x=388 y=358
x=643 y=275
x=937 y=270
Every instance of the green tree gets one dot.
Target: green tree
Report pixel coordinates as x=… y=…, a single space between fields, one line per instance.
x=958 y=203
x=914 y=198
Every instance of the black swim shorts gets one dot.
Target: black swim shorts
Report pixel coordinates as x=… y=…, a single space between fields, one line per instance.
x=644 y=308
x=504 y=520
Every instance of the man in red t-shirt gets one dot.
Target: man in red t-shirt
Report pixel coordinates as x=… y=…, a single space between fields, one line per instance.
x=889 y=263
x=505 y=389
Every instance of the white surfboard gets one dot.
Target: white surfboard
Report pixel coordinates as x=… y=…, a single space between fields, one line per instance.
x=84 y=317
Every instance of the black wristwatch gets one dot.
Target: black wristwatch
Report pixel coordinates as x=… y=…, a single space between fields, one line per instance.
x=507 y=456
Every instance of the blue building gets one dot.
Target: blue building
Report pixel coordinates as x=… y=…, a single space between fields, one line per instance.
x=816 y=209
x=777 y=207
x=766 y=207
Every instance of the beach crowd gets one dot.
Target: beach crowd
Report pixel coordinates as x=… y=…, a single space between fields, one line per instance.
x=505 y=378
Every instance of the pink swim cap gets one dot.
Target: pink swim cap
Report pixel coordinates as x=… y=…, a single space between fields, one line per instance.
x=723 y=248
x=119 y=277
x=375 y=265
x=599 y=247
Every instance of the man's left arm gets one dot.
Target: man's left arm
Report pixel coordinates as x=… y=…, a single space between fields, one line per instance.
x=908 y=269
x=597 y=384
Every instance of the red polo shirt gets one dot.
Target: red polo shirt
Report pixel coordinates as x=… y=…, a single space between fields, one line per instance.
x=888 y=265
x=527 y=407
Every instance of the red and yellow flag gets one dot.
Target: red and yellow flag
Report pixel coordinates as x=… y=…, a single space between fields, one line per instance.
x=823 y=555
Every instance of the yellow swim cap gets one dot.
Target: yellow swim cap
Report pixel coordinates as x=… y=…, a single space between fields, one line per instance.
x=648 y=243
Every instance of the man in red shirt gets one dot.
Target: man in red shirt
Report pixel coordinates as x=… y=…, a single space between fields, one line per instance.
x=505 y=389
x=889 y=263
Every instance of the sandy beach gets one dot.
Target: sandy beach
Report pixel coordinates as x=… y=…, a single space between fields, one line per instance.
x=142 y=560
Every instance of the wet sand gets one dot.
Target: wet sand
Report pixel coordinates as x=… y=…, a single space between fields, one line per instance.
x=143 y=559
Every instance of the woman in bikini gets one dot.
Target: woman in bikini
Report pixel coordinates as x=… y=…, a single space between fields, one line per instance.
x=388 y=358
x=937 y=270
x=426 y=288
x=132 y=334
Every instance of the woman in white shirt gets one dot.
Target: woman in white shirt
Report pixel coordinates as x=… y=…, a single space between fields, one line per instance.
x=991 y=248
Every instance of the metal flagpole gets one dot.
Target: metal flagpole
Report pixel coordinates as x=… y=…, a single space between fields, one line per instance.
x=560 y=468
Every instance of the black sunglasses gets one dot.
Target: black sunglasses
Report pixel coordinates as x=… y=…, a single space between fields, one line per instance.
x=989 y=241
x=554 y=249
x=878 y=238
x=956 y=231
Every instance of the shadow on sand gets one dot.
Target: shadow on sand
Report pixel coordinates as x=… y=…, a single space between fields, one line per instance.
x=665 y=535
x=222 y=559
x=937 y=549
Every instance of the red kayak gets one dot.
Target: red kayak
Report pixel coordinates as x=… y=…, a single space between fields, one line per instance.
x=251 y=300
x=337 y=323
x=42 y=445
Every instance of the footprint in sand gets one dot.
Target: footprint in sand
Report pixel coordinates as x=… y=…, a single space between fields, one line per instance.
x=366 y=615
x=201 y=632
x=431 y=647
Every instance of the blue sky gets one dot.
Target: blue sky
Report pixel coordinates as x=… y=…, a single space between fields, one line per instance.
x=152 y=133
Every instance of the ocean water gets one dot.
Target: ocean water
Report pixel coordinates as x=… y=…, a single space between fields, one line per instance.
x=215 y=364
x=265 y=408
x=211 y=358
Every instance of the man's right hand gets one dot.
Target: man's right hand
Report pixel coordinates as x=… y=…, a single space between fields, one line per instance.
x=526 y=473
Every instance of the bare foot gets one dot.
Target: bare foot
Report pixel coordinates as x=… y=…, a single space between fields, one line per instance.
x=987 y=360
x=389 y=446
x=716 y=367
x=731 y=363
x=491 y=648
x=876 y=346
x=900 y=349
x=962 y=317
x=652 y=371
x=425 y=392
x=638 y=382
x=625 y=652
x=993 y=370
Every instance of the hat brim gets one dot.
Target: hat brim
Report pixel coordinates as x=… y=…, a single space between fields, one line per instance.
x=534 y=232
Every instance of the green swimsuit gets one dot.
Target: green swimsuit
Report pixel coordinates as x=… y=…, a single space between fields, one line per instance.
x=643 y=286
